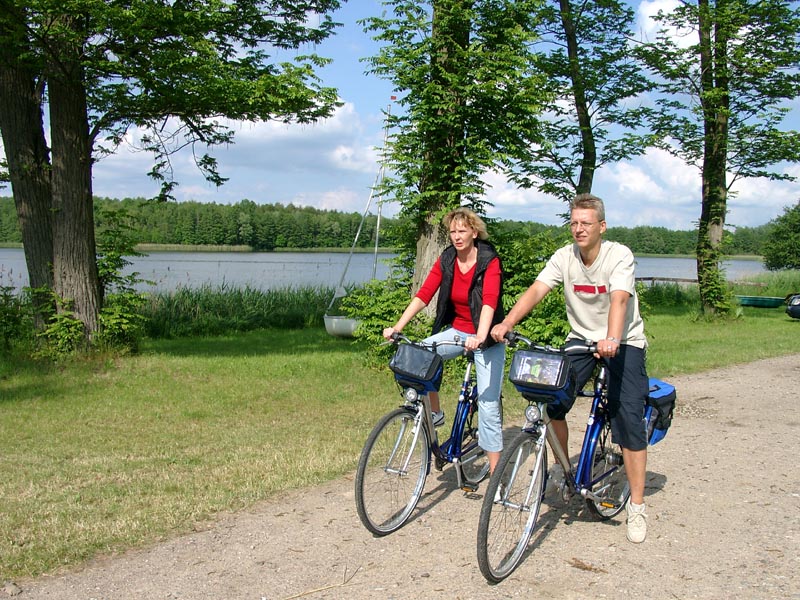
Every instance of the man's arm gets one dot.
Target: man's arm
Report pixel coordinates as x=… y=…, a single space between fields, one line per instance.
x=616 y=323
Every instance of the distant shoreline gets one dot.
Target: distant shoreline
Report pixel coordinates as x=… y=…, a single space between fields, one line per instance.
x=382 y=250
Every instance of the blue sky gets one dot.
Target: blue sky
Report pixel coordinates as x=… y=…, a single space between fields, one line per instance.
x=333 y=164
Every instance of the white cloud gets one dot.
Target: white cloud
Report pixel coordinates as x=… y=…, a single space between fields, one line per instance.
x=649 y=27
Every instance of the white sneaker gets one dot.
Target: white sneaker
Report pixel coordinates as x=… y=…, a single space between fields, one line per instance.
x=438 y=418
x=637 y=522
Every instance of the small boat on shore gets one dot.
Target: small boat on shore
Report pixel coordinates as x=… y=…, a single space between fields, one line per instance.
x=761 y=301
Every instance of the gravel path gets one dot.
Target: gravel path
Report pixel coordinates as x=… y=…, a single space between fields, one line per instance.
x=723 y=495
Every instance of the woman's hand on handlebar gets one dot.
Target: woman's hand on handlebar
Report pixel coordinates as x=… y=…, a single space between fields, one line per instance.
x=390 y=333
x=473 y=343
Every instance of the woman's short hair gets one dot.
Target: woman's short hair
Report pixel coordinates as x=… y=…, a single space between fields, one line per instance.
x=469 y=218
x=585 y=201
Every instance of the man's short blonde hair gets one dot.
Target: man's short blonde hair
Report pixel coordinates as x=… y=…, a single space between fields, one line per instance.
x=589 y=201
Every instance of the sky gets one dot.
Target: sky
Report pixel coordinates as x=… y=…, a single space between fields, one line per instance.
x=333 y=164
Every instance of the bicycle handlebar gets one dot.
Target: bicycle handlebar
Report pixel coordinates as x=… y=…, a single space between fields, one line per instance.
x=397 y=337
x=587 y=347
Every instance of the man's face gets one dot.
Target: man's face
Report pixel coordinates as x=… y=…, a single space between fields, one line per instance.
x=586 y=228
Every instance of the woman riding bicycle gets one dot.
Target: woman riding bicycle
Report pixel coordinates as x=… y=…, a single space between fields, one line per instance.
x=468 y=276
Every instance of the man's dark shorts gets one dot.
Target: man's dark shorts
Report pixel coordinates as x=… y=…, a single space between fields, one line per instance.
x=627 y=394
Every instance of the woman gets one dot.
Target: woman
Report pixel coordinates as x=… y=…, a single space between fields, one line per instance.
x=469 y=279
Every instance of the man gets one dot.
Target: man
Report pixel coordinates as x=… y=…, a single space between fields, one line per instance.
x=602 y=306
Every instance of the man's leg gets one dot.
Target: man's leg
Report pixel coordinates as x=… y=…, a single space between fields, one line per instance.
x=636 y=469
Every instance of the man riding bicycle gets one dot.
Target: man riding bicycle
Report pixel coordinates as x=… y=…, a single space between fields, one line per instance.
x=602 y=306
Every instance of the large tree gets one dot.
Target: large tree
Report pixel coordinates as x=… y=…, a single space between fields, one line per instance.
x=172 y=69
x=585 y=51
x=469 y=95
x=724 y=96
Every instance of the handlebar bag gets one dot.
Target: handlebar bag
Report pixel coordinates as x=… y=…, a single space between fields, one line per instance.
x=542 y=376
x=659 y=410
x=415 y=363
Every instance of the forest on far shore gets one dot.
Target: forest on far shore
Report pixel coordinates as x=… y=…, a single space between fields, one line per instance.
x=266 y=227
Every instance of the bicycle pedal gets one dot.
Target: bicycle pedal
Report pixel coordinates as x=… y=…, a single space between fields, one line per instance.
x=469 y=488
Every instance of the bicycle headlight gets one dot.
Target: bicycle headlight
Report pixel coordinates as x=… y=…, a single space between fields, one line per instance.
x=411 y=395
x=532 y=413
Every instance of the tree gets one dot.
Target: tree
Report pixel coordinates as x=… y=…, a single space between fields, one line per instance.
x=723 y=100
x=782 y=248
x=470 y=98
x=172 y=69
x=585 y=52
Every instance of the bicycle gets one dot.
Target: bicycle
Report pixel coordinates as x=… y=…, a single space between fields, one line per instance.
x=396 y=458
x=516 y=489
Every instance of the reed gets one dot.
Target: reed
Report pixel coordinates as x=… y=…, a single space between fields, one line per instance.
x=213 y=310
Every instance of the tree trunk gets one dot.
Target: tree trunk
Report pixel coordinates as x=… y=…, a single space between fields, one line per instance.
x=75 y=264
x=21 y=124
x=445 y=149
x=715 y=103
x=588 y=145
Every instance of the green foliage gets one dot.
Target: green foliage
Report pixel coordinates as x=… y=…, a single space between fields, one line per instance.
x=15 y=318
x=377 y=305
x=523 y=259
x=782 y=249
x=596 y=116
x=63 y=334
x=120 y=317
x=122 y=323
x=470 y=95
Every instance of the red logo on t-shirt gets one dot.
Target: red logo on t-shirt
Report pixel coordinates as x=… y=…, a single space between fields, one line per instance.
x=590 y=289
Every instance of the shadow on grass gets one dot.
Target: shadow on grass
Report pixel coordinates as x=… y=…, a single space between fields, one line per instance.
x=256 y=343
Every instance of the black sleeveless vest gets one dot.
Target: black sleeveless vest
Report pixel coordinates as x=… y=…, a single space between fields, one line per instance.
x=445 y=311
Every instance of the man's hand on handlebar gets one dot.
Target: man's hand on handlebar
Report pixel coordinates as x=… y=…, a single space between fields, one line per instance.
x=499 y=332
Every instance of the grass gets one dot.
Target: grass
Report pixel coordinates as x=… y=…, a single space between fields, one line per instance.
x=111 y=453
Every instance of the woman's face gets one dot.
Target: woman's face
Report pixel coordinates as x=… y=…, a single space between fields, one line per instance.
x=462 y=235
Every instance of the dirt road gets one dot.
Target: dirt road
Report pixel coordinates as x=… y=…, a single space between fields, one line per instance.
x=723 y=495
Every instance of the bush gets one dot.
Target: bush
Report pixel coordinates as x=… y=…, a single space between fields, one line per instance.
x=523 y=259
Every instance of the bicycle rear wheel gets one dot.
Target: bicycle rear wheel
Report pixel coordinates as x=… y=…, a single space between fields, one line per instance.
x=508 y=516
x=474 y=463
x=610 y=488
x=391 y=471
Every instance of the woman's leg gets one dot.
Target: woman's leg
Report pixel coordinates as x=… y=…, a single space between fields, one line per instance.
x=489 y=369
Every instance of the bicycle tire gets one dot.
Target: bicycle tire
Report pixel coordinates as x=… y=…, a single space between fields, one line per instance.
x=474 y=463
x=608 y=473
x=386 y=493
x=505 y=527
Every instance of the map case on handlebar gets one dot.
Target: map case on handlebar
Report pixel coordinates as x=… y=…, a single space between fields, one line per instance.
x=542 y=376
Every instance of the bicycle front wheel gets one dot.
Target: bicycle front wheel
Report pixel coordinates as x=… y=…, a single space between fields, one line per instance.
x=392 y=471
x=609 y=482
x=511 y=506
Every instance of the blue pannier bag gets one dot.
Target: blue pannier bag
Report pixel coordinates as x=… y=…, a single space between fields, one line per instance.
x=659 y=409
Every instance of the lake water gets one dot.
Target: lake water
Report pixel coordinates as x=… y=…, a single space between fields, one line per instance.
x=276 y=270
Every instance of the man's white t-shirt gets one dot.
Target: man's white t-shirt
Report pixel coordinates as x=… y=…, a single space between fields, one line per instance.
x=587 y=290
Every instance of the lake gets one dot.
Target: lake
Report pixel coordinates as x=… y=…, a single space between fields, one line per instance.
x=276 y=270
